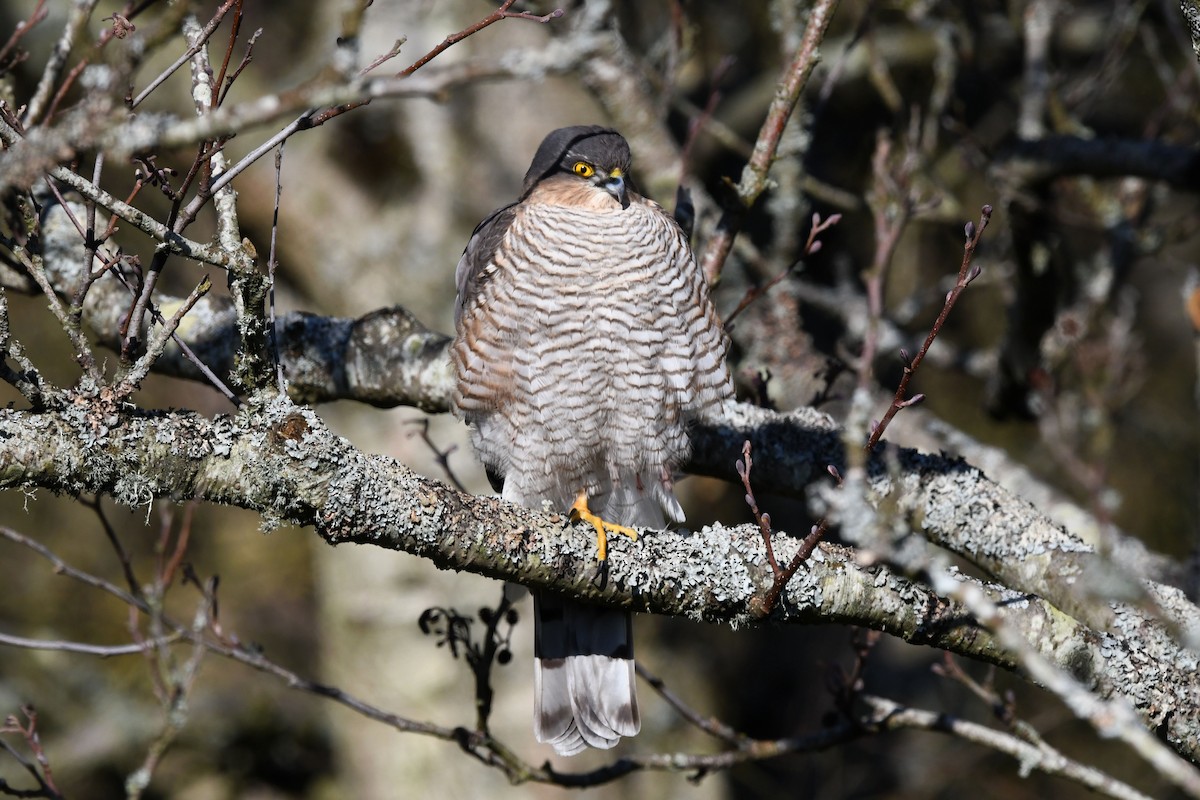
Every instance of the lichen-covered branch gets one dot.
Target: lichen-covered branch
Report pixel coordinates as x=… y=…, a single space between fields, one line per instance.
x=388 y=358
x=280 y=460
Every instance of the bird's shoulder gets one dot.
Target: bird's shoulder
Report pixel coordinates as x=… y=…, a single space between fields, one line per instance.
x=481 y=247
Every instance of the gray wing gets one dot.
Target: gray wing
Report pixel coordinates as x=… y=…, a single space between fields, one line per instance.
x=469 y=274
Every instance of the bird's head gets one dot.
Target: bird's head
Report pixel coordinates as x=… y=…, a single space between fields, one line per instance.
x=600 y=156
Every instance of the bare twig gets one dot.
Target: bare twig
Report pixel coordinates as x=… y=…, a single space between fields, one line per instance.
x=762 y=606
x=245 y=62
x=27 y=379
x=500 y=13
x=79 y=342
x=41 y=772
x=81 y=648
x=890 y=715
x=710 y=725
x=743 y=466
x=812 y=246
x=442 y=457
x=186 y=349
x=194 y=47
x=81 y=11
x=219 y=85
x=966 y=274
x=158 y=340
x=272 y=264
x=36 y=16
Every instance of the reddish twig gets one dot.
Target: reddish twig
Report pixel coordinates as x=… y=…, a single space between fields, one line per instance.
x=743 y=467
x=234 y=28
x=44 y=777
x=812 y=246
x=168 y=566
x=247 y=57
x=388 y=56
x=500 y=13
x=966 y=274
x=771 y=598
x=23 y=27
x=762 y=606
x=315 y=119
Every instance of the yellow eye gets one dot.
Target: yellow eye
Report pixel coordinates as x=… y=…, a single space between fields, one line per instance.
x=583 y=169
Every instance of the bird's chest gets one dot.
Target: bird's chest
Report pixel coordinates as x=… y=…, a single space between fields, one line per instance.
x=588 y=311
x=573 y=273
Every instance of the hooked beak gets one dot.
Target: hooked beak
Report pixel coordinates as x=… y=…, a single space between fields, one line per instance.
x=614 y=184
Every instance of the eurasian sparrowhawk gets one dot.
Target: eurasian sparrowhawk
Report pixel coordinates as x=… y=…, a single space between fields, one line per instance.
x=586 y=343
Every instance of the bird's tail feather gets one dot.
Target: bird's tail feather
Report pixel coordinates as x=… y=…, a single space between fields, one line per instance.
x=584 y=683
x=584 y=690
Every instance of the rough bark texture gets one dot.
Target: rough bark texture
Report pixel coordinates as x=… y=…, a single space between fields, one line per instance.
x=279 y=459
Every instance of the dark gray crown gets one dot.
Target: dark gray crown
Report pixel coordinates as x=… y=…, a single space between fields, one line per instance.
x=601 y=147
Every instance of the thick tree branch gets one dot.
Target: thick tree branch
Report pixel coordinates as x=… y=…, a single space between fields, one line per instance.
x=280 y=460
x=1032 y=162
x=388 y=358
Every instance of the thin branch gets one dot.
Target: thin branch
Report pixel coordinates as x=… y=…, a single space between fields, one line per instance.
x=501 y=13
x=272 y=264
x=890 y=715
x=710 y=725
x=966 y=274
x=194 y=47
x=326 y=102
x=81 y=11
x=158 y=340
x=36 y=16
x=80 y=344
x=27 y=380
x=754 y=177
x=103 y=651
x=811 y=247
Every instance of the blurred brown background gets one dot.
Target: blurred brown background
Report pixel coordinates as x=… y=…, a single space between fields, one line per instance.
x=376 y=208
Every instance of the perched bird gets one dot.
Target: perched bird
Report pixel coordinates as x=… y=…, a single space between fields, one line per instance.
x=586 y=343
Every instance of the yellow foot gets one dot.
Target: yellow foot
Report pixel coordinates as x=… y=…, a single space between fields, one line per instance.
x=580 y=511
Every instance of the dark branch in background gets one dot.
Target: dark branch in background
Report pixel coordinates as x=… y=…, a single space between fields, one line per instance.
x=442 y=457
x=1029 y=163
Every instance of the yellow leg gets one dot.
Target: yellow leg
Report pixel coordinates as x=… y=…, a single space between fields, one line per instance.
x=579 y=511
